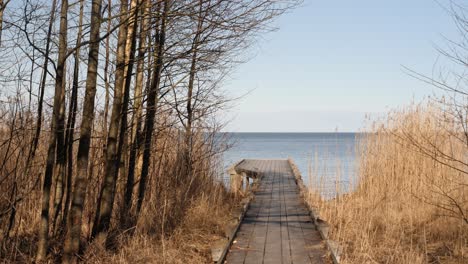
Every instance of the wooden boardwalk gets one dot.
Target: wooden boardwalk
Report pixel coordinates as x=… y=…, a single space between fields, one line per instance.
x=277 y=227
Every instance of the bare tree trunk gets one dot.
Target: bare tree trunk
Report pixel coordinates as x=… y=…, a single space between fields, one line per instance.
x=136 y=126
x=3 y=5
x=13 y=194
x=72 y=242
x=2 y=9
x=106 y=196
x=189 y=109
x=151 y=106
x=60 y=162
x=37 y=133
x=56 y=136
x=71 y=120
x=149 y=73
x=106 y=75
x=122 y=145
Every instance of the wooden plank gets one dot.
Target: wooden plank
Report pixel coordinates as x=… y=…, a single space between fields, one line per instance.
x=258 y=241
x=285 y=247
x=297 y=242
x=273 y=241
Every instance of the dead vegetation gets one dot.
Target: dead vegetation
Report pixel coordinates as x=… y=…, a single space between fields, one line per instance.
x=180 y=218
x=410 y=201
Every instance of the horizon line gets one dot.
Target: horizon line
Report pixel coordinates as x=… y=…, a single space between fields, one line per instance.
x=290 y=132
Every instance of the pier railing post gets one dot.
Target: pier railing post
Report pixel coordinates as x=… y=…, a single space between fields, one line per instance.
x=235 y=181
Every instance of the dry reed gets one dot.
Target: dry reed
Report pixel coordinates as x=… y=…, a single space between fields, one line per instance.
x=410 y=201
x=180 y=218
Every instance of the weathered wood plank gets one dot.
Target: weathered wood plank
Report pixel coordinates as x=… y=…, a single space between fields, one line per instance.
x=273 y=240
x=286 y=248
x=258 y=241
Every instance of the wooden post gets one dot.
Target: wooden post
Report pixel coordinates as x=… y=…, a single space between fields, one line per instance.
x=242 y=181
x=235 y=181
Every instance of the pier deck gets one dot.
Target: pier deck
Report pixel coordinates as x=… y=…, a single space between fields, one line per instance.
x=277 y=227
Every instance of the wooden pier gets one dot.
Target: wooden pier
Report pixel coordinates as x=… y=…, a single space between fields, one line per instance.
x=277 y=227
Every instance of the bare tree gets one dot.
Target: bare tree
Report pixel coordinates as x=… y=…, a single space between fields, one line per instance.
x=135 y=150
x=448 y=193
x=56 y=144
x=72 y=243
x=72 y=111
x=106 y=197
x=3 y=5
x=158 y=52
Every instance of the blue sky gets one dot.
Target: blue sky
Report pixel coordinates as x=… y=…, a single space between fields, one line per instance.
x=333 y=61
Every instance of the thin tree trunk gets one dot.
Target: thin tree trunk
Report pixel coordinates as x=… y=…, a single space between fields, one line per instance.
x=141 y=135
x=37 y=133
x=136 y=126
x=3 y=5
x=56 y=136
x=129 y=65
x=13 y=194
x=151 y=107
x=60 y=162
x=72 y=242
x=2 y=9
x=106 y=196
x=72 y=119
x=193 y=70
x=106 y=76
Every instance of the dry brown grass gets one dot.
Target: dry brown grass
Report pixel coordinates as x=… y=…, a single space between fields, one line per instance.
x=180 y=218
x=409 y=200
x=190 y=242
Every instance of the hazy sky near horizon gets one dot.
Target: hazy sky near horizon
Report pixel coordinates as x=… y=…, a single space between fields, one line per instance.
x=331 y=62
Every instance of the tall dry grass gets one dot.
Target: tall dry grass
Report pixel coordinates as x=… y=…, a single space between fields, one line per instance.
x=201 y=224
x=410 y=201
x=180 y=218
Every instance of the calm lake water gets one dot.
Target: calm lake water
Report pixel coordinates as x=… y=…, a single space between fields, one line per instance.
x=323 y=156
